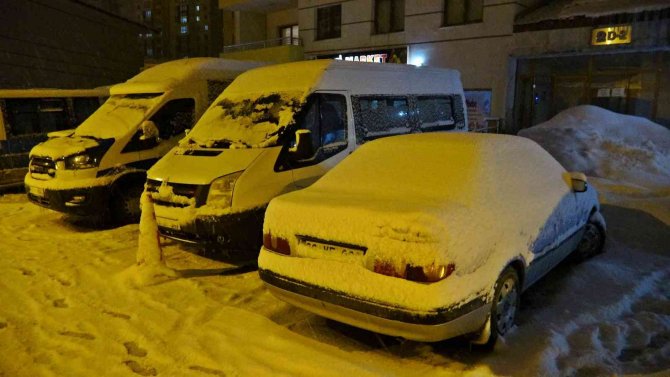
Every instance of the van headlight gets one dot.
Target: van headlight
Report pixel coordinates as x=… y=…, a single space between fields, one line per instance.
x=221 y=190
x=81 y=161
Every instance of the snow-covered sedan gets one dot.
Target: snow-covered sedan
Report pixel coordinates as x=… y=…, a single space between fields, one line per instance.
x=429 y=236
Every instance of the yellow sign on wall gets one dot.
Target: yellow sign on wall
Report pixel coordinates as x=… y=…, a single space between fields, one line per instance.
x=613 y=35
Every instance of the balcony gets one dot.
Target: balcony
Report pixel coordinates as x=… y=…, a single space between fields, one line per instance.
x=278 y=50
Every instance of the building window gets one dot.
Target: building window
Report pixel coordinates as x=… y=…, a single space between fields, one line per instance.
x=183 y=29
x=197 y=18
x=458 y=12
x=197 y=8
x=184 y=19
x=328 y=22
x=289 y=35
x=389 y=16
x=147 y=15
x=206 y=27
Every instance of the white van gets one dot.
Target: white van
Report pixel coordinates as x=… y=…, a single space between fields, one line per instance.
x=279 y=128
x=101 y=167
x=27 y=116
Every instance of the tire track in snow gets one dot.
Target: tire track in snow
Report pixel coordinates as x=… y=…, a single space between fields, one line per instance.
x=631 y=335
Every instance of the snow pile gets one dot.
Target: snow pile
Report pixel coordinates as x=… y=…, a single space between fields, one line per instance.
x=608 y=145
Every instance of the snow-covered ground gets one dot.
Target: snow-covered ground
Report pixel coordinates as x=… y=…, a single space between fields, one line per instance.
x=68 y=308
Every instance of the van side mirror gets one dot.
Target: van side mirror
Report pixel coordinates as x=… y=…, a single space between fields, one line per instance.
x=149 y=131
x=303 y=147
x=578 y=181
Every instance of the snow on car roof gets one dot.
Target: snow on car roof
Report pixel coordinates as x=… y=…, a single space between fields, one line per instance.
x=564 y=9
x=605 y=144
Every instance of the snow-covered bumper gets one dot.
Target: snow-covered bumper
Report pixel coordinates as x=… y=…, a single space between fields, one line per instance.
x=80 y=201
x=427 y=325
x=240 y=230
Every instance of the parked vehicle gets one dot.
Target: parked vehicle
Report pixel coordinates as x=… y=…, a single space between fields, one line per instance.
x=430 y=236
x=279 y=128
x=101 y=167
x=28 y=115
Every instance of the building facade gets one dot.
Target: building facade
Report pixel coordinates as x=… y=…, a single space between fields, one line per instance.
x=515 y=57
x=65 y=44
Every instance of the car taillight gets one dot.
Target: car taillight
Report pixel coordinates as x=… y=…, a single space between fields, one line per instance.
x=422 y=274
x=276 y=244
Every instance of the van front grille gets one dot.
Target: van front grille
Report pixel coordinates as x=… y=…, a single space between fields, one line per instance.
x=199 y=192
x=42 y=165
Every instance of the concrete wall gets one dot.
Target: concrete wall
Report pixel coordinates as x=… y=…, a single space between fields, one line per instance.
x=65 y=44
x=250 y=27
x=278 y=54
x=279 y=19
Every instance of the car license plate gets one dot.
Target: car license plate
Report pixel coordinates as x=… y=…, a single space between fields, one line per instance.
x=332 y=247
x=36 y=191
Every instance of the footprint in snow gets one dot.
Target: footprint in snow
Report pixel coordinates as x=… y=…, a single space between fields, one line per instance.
x=116 y=315
x=140 y=369
x=134 y=350
x=80 y=335
x=26 y=272
x=211 y=371
x=60 y=303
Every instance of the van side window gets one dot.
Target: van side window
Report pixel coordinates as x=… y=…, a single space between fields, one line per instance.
x=378 y=116
x=172 y=119
x=325 y=116
x=435 y=113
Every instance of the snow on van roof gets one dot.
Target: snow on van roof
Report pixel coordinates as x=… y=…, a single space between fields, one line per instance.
x=289 y=77
x=165 y=76
x=605 y=144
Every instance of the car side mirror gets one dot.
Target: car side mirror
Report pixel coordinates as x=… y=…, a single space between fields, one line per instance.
x=149 y=131
x=578 y=181
x=303 y=147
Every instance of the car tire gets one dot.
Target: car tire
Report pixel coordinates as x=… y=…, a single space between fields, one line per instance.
x=125 y=203
x=592 y=242
x=505 y=305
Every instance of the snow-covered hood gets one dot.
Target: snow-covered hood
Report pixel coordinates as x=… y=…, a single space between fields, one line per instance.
x=201 y=166
x=63 y=146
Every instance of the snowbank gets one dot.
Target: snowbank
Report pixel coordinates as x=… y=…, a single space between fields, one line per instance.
x=608 y=145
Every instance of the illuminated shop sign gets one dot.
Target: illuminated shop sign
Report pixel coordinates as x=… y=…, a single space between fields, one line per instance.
x=396 y=55
x=613 y=35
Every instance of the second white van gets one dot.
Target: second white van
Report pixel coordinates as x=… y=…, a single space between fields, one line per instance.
x=279 y=128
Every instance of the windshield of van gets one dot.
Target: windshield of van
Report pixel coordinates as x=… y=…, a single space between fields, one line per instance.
x=120 y=114
x=250 y=121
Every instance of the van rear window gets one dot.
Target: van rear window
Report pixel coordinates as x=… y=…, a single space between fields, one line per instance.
x=435 y=113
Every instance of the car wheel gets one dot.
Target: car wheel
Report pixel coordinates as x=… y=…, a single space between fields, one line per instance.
x=592 y=242
x=505 y=305
x=125 y=203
